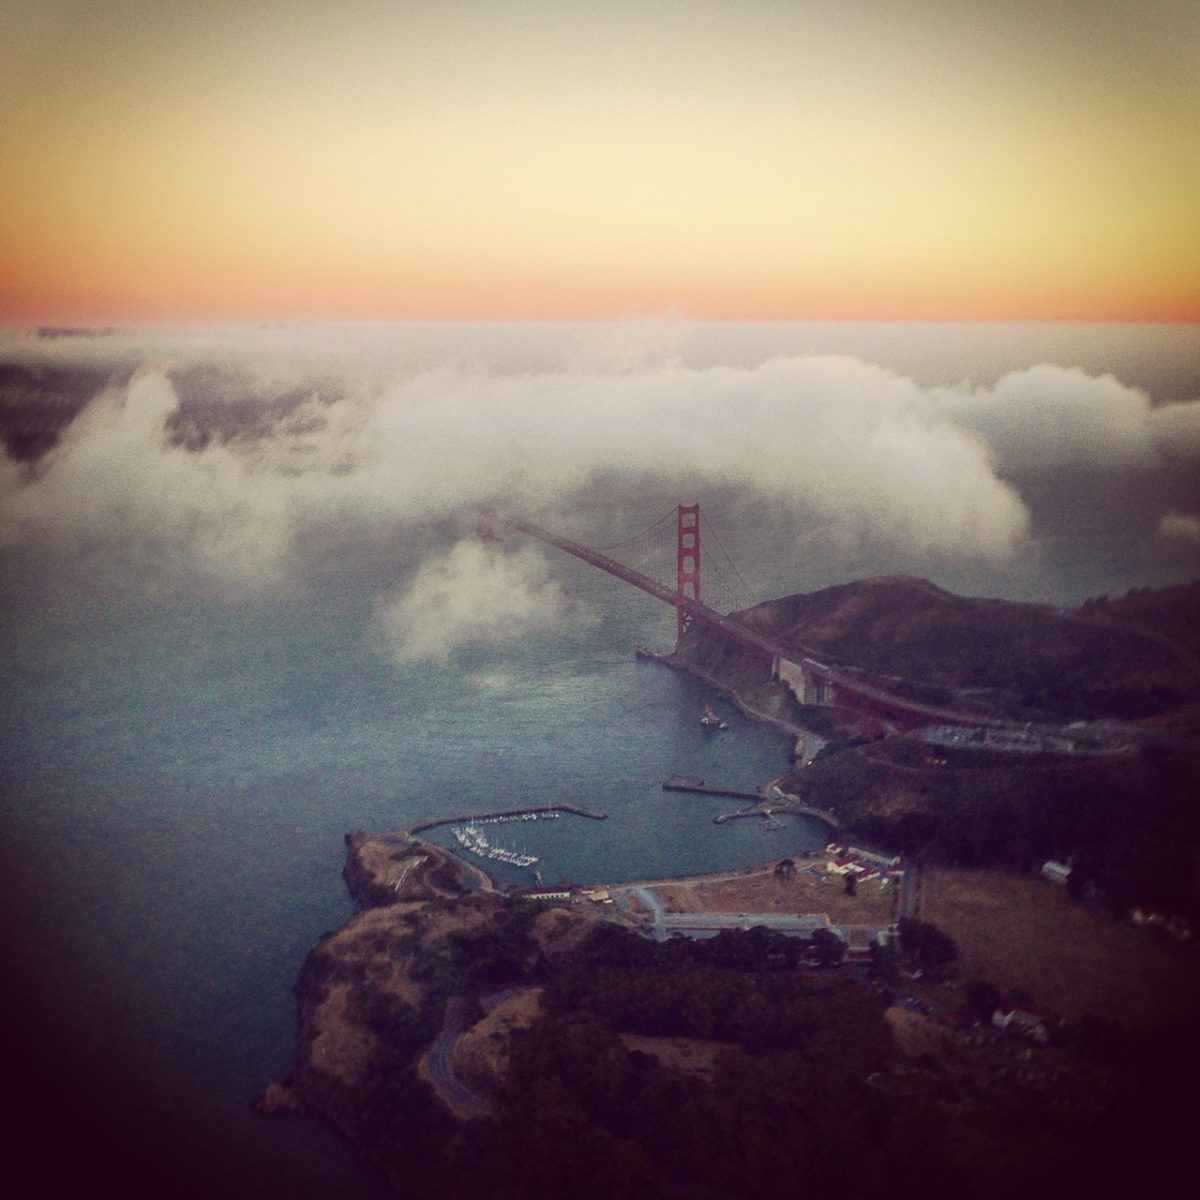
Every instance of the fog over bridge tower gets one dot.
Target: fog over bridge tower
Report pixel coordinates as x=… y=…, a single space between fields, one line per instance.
x=687 y=585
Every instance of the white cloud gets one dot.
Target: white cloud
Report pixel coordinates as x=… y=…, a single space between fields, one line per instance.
x=1047 y=417
x=115 y=481
x=1176 y=430
x=846 y=467
x=1180 y=526
x=475 y=594
x=862 y=454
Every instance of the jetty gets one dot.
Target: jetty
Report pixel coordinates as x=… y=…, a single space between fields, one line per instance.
x=769 y=807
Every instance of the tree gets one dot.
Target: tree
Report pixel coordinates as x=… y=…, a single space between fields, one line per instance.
x=1016 y=997
x=983 y=998
x=827 y=947
x=926 y=943
x=883 y=960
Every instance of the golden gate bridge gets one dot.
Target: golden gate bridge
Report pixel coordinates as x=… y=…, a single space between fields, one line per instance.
x=812 y=681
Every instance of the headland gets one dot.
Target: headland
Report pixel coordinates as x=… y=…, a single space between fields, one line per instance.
x=473 y=1039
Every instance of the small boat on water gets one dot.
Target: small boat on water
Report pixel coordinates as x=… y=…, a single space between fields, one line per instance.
x=710 y=720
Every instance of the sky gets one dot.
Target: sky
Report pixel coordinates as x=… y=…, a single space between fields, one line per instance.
x=259 y=160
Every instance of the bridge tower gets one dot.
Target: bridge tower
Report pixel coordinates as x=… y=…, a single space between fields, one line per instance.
x=687 y=585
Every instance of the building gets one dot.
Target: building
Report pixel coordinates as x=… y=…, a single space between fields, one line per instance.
x=1029 y=1023
x=1056 y=872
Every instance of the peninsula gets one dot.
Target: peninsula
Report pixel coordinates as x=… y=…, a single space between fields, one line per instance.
x=480 y=1042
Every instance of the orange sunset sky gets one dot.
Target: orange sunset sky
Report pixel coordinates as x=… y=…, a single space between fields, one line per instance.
x=758 y=159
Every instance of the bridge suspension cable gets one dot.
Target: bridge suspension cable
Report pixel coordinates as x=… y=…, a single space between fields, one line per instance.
x=666 y=521
x=735 y=595
x=820 y=683
x=658 y=546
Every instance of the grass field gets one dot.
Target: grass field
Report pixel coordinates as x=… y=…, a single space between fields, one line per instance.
x=804 y=892
x=1021 y=931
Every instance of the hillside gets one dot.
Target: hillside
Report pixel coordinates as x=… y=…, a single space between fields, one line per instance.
x=1128 y=819
x=1128 y=659
x=599 y=1063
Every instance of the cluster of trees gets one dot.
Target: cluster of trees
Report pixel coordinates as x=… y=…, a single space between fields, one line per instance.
x=800 y=1079
x=1145 y=867
x=620 y=1123
x=1129 y=822
x=926 y=944
x=585 y=1115
x=500 y=952
x=794 y=1093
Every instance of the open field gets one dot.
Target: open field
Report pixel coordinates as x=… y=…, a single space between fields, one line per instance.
x=1021 y=931
x=761 y=891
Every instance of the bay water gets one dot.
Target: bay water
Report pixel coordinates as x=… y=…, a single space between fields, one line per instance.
x=179 y=777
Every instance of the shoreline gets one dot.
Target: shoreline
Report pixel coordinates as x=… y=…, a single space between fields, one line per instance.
x=672 y=661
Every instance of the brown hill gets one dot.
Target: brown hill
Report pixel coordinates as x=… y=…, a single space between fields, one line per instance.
x=1130 y=659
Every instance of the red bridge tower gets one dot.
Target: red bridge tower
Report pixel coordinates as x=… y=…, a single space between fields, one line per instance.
x=688 y=577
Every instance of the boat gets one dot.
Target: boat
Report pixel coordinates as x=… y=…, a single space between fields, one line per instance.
x=710 y=720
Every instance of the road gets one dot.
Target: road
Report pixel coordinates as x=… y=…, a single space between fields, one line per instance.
x=667 y=924
x=459 y=1097
x=441 y=1073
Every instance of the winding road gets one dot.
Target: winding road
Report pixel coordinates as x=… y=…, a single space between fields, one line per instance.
x=437 y=1062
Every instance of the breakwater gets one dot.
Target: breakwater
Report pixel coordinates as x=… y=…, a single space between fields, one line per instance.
x=766 y=808
x=576 y=809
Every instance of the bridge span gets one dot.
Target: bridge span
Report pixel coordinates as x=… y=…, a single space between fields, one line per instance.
x=813 y=682
x=690 y=605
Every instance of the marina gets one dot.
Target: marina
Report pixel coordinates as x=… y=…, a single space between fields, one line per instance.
x=471 y=838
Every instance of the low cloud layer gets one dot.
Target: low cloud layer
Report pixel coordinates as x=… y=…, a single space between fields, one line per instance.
x=116 y=487
x=1048 y=417
x=891 y=474
x=475 y=594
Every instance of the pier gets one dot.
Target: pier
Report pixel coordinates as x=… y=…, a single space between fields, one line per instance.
x=696 y=785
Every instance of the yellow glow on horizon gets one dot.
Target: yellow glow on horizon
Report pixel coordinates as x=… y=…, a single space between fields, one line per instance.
x=479 y=160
